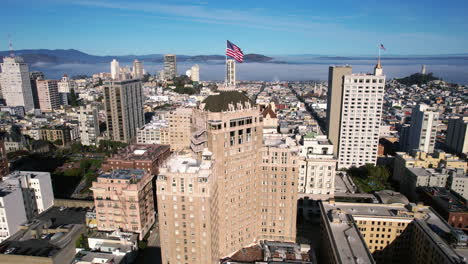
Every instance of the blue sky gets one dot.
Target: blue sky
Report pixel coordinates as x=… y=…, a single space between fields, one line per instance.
x=274 y=27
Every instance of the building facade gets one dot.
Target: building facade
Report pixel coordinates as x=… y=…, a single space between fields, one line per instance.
x=54 y=134
x=422 y=134
x=15 y=83
x=137 y=70
x=124 y=200
x=48 y=95
x=115 y=70
x=154 y=133
x=457 y=135
x=195 y=73
x=180 y=122
x=123 y=101
x=361 y=113
x=170 y=66
x=89 y=125
x=230 y=72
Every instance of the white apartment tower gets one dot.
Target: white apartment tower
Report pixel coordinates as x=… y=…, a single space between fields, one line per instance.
x=15 y=83
x=195 y=73
x=115 y=69
x=422 y=134
x=170 y=66
x=65 y=85
x=11 y=203
x=230 y=72
x=88 y=125
x=361 y=114
x=137 y=71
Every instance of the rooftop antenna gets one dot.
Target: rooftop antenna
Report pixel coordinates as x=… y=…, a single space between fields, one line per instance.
x=12 y=52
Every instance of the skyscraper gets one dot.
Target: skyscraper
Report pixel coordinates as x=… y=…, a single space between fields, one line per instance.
x=115 y=70
x=47 y=91
x=422 y=134
x=15 y=83
x=34 y=76
x=360 y=116
x=124 y=109
x=457 y=135
x=230 y=72
x=137 y=70
x=170 y=66
x=195 y=73
x=232 y=191
x=334 y=100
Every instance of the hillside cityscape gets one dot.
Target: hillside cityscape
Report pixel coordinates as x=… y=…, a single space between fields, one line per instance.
x=236 y=158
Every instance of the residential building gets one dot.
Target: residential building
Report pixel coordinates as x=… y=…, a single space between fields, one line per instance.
x=272 y=252
x=457 y=135
x=115 y=70
x=180 y=121
x=195 y=73
x=15 y=83
x=154 y=133
x=458 y=182
x=56 y=134
x=423 y=129
x=270 y=120
x=420 y=159
x=65 y=86
x=232 y=190
x=123 y=102
x=170 y=66
x=4 y=167
x=361 y=114
x=316 y=167
x=421 y=177
x=89 y=125
x=124 y=201
x=334 y=103
x=230 y=72
x=36 y=188
x=147 y=157
x=35 y=76
x=11 y=209
x=388 y=233
x=47 y=92
x=137 y=70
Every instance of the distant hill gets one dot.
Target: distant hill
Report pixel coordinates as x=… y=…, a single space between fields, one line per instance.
x=417 y=78
x=61 y=56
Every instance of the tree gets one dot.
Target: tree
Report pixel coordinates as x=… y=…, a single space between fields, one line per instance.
x=58 y=142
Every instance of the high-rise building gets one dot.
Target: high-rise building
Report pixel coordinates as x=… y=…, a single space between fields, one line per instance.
x=89 y=125
x=422 y=134
x=65 y=86
x=124 y=201
x=360 y=116
x=35 y=76
x=457 y=135
x=195 y=73
x=230 y=72
x=180 y=121
x=115 y=70
x=11 y=209
x=334 y=100
x=47 y=92
x=15 y=83
x=137 y=70
x=170 y=66
x=124 y=109
x=316 y=167
x=232 y=191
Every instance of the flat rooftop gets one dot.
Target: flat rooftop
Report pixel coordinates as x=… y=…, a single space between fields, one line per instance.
x=124 y=174
x=141 y=152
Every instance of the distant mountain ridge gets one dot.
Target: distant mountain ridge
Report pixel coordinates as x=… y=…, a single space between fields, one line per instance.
x=61 y=56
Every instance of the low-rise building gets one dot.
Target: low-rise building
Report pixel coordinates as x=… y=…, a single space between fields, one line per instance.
x=154 y=133
x=59 y=134
x=124 y=200
x=422 y=177
x=388 y=233
x=459 y=182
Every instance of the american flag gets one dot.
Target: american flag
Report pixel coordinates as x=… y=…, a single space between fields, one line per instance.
x=234 y=52
x=382 y=47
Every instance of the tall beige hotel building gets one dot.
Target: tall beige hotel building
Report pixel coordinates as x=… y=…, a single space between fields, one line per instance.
x=231 y=190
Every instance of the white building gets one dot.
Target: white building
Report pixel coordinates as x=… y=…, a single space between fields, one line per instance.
x=231 y=72
x=12 y=213
x=195 y=73
x=15 y=83
x=361 y=113
x=421 y=177
x=89 y=125
x=137 y=70
x=459 y=182
x=422 y=134
x=65 y=85
x=316 y=167
x=156 y=132
x=115 y=69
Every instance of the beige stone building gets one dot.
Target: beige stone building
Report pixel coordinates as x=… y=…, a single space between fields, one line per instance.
x=232 y=191
x=179 y=122
x=54 y=134
x=387 y=233
x=124 y=200
x=124 y=109
x=47 y=93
